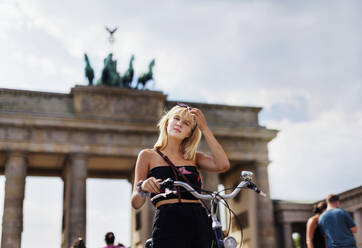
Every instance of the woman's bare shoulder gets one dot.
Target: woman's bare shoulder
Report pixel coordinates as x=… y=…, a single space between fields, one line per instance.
x=145 y=159
x=150 y=155
x=313 y=219
x=146 y=153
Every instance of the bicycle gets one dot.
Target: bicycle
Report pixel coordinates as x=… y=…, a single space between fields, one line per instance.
x=215 y=197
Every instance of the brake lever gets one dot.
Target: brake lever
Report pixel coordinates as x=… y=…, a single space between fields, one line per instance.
x=167 y=193
x=166 y=184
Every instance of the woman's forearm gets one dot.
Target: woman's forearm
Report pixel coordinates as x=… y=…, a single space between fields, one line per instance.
x=137 y=201
x=310 y=244
x=220 y=159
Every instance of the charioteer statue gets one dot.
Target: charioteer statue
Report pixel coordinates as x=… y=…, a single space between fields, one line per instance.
x=111 y=77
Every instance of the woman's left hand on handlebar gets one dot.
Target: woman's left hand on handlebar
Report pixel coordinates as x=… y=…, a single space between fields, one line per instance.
x=151 y=185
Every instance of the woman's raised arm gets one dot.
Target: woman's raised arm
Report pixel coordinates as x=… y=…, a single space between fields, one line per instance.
x=218 y=162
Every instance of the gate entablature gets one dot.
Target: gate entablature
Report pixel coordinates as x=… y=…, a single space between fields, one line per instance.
x=110 y=125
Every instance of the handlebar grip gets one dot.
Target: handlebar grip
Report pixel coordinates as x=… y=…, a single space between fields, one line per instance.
x=256 y=189
x=262 y=193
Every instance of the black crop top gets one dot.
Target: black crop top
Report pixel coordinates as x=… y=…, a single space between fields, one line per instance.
x=189 y=171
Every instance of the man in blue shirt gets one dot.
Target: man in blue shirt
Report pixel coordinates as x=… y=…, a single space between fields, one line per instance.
x=337 y=225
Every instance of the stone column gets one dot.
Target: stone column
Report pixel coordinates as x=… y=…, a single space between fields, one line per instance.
x=358 y=220
x=74 y=219
x=303 y=237
x=12 y=227
x=210 y=181
x=287 y=235
x=266 y=233
x=142 y=219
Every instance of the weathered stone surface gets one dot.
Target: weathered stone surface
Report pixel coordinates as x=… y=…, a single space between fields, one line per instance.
x=351 y=199
x=358 y=220
x=115 y=103
x=245 y=202
x=75 y=199
x=145 y=217
x=12 y=223
x=292 y=212
x=226 y=116
x=34 y=102
x=265 y=213
x=287 y=235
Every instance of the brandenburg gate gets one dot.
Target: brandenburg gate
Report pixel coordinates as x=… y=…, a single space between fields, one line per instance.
x=97 y=132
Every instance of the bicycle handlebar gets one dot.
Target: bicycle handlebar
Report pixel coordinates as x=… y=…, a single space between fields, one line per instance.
x=168 y=184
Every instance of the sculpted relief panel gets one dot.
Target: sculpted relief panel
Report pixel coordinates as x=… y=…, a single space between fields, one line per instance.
x=118 y=104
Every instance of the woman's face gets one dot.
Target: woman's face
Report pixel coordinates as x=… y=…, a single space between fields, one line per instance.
x=179 y=127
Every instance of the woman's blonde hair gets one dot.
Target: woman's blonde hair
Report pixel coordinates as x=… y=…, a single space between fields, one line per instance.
x=189 y=144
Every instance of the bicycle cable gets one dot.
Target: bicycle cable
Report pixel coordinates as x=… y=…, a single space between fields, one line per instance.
x=226 y=204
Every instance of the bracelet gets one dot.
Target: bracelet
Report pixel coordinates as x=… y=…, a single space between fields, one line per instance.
x=139 y=190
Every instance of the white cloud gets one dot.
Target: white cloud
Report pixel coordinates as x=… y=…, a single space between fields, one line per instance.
x=260 y=97
x=313 y=159
x=11 y=18
x=43 y=64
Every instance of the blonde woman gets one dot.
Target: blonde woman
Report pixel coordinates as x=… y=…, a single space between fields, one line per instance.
x=180 y=220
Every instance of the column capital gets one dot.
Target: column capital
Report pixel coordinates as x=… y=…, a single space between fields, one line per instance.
x=78 y=156
x=16 y=164
x=285 y=222
x=262 y=162
x=78 y=161
x=16 y=153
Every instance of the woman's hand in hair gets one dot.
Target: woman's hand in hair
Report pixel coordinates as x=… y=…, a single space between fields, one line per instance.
x=199 y=118
x=218 y=162
x=151 y=185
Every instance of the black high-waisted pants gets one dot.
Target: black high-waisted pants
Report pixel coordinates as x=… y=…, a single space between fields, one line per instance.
x=181 y=225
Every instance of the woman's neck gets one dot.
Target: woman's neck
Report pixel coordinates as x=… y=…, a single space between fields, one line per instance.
x=173 y=147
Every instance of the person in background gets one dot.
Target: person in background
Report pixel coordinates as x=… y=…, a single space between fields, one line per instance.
x=78 y=243
x=337 y=225
x=109 y=238
x=315 y=238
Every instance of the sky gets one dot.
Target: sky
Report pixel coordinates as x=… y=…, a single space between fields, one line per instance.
x=298 y=60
